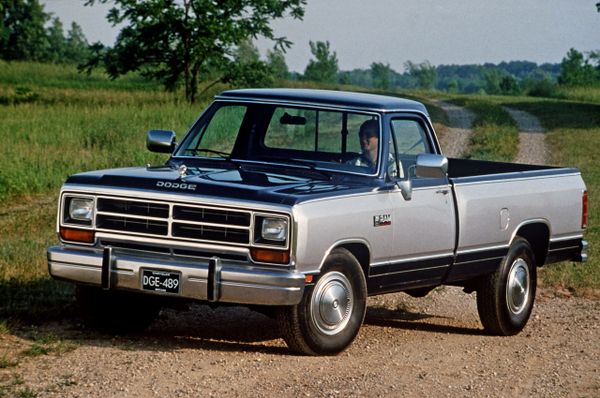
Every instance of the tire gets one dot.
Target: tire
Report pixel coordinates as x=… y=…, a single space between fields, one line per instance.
x=332 y=310
x=115 y=311
x=505 y=298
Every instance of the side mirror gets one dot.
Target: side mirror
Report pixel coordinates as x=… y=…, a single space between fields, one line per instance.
x=162 y=141
x=431 y=166
x=405 y=188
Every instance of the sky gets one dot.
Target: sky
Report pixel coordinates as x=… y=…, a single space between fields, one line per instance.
x=395 y=31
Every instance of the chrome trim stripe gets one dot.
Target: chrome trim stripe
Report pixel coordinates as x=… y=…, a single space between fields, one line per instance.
x=514 y=176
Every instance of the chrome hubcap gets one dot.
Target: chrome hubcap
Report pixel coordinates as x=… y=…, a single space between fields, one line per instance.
x=517 y=288
x=332 y=303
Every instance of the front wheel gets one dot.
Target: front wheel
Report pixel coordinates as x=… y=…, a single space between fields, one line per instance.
x=332 y=310
x=505 y=298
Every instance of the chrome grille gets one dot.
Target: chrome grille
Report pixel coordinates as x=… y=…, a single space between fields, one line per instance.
x=185 y=222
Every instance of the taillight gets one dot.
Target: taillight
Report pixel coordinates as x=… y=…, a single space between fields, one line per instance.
x=584 y=210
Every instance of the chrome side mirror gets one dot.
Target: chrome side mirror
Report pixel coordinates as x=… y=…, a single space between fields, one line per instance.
x=405 y=188
x=162 y=141
x=431 y=166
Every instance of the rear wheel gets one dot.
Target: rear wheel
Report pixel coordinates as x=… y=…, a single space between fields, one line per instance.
x=116 y=311
x=332 y=310
x=505 y=298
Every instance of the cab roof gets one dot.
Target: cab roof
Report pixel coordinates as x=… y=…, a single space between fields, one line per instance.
x=343 y=99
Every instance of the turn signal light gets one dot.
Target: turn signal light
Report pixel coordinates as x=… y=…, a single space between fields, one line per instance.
x=77 y=235
x=270 y=256
x=584 y=210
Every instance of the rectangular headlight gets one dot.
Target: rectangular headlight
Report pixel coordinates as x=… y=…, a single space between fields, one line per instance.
x=274 y=229
x=78 y=210
x=271 y=230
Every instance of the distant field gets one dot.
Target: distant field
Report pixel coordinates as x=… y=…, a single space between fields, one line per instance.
x=55 y=122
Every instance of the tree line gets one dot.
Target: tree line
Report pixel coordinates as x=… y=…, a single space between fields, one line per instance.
x=28 y=33
x=193 y=43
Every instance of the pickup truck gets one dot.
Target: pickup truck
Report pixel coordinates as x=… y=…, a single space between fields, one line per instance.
x=277 y=199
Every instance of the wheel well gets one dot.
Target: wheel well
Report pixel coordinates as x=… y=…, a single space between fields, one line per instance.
x=538 y=236
x=361 y=252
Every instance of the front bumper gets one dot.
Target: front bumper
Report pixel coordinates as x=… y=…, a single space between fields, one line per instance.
x=201 y=279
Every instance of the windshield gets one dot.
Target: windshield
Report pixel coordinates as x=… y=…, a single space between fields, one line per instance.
x=298 y=136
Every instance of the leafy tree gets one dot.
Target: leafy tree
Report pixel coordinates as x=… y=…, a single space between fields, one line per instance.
x=324 y=67
x=76 y=48
x=576 y=70
x=23 y=35
x=247 y=70
x=276 y=61
x=246 y=52
x=509 y=85
x=424 y=73
x=171 y=40
x=381 y=75
x=56 y=42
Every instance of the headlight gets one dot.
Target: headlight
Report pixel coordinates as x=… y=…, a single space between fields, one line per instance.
x=274 y=229
x=271 y=230
x=78 y=210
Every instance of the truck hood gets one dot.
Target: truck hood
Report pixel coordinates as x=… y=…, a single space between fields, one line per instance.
x=275 y=187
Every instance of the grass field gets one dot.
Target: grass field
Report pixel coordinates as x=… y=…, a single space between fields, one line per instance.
x=55 y=122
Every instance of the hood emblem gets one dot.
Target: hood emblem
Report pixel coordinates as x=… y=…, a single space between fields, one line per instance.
x=182 y=171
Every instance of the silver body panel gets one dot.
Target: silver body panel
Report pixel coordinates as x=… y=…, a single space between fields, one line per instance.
x=491 y=213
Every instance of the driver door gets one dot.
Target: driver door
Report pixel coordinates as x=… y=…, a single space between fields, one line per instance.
x=423 y=226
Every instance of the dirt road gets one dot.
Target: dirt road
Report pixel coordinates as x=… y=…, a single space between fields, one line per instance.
x=412 y=347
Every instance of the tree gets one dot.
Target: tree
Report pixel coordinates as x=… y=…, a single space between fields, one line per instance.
x=174 y=40
x=424 y=74
x=23 y=35
x=276 y=61
x=247 y=70
x=576 y=70
x=56 y=42
x=77 y=48
x=381 y=75
x=324 y=67
x=246 y=52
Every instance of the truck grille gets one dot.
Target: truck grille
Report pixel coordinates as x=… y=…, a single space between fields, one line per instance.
x=161 y=219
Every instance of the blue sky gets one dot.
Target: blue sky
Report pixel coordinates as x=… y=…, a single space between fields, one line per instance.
x=395 y=31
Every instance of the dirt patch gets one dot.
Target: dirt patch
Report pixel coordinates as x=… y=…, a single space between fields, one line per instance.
x=432 y=346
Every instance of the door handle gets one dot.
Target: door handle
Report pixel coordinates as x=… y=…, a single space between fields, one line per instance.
x=443 y=191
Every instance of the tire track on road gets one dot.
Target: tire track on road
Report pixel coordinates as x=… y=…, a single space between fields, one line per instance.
x=455 y=141
x=532 y=138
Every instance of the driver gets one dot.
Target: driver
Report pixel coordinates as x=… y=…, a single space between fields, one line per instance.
x=368 y=135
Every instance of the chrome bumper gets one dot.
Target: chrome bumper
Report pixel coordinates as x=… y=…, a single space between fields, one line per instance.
x=213 y=280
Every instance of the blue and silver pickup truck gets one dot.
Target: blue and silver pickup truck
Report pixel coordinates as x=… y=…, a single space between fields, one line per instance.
x=306 y=202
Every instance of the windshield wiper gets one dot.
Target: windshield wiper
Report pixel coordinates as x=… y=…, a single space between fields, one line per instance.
x=302 y=162
x=224 y=155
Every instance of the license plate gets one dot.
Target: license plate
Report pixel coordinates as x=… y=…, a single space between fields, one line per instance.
x=160 y=281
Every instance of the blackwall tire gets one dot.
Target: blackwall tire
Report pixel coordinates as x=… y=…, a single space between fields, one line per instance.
x=505 y=298
x=332 y=310
x=115 y=311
